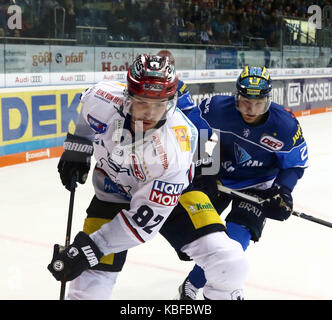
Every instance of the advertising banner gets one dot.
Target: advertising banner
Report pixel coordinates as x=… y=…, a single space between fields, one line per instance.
x=113 y=59
x=23 y=58
x=221 y=59
x=38 y=65
x=308 y=94
x=303 y=96
x=36 y=120
x=31 y=65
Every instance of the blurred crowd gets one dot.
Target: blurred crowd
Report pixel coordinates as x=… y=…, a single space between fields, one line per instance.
x=224 y=22
x=215 y=22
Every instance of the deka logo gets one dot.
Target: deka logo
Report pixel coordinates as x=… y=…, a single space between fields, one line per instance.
x=166 y=194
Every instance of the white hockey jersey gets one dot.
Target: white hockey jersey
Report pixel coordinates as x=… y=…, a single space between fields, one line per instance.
x=150 y=173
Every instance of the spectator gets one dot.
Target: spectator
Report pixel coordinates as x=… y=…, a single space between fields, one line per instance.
x=279 y=12
x=177 y=19
x=118 y=23
x=156 y=32
x=217 y=27
x=70 y=19
x=3 y=20
x=233 y=32
x=330 y=64
x=205 y=34
x=138 y=30
x=244 y=27
x=188 y=34
x=47 y=26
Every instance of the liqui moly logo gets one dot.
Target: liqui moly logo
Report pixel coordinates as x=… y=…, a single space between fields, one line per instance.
x=166 y=194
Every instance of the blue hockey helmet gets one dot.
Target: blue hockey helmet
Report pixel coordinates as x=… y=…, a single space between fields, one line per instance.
x=254 y=83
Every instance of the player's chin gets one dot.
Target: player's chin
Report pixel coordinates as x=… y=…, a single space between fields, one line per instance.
x=250 y=118
x=148 y=125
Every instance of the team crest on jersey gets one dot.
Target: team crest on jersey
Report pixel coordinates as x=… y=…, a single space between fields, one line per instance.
x=165 y=193
x=96 y=125
x=271 y=142
x=241 y=155
x=181 y=133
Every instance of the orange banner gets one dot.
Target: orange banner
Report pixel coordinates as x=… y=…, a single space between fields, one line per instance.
x=29 y=156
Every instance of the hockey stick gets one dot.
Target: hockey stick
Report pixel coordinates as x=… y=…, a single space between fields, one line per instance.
x=68 y=232
x=260 y=201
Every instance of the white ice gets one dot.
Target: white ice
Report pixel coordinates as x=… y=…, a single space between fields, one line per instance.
x=291 y=261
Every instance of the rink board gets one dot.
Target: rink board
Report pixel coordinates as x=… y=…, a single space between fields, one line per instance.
x=34 y=121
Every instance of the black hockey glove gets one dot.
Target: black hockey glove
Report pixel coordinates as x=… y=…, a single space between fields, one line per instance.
x=75 y=161
x=68 y=263
x=279 y=204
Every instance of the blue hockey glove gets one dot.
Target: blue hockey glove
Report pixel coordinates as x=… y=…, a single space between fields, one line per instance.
x=75 y=161
x=67 y=264
x=279 y=204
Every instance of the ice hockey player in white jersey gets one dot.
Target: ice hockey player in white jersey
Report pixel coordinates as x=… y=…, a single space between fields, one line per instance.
x=144 y=149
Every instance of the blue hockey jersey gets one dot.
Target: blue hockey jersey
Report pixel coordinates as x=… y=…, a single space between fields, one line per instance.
x=252 y=156
x=185 y=101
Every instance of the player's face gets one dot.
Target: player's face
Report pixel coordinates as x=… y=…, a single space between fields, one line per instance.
x=146 y=112
x=251 y=110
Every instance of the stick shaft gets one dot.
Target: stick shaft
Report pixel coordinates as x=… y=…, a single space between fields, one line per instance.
x=311 y=218
x=260 y=201
x=67 y=240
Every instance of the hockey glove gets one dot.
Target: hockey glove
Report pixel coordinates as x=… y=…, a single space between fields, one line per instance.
x=75 y=161
x=68 y=263
x=279 y=204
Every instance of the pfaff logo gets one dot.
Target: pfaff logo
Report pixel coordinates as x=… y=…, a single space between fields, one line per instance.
x=271 y=143
x=294 y=94
x=166 y=194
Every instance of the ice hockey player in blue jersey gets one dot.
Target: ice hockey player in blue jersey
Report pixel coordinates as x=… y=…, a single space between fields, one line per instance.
x=185 y=101
x=261 y=151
